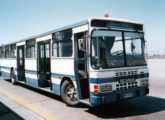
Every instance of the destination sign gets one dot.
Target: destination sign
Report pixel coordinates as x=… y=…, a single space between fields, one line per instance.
x=115 y=24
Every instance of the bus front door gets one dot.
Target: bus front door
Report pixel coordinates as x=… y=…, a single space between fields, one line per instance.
x=81 y=73
x=21 y=63
x=44 y=64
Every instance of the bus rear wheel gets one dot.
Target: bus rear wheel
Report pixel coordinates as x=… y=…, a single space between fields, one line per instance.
x=68 y=93
x=12 y=77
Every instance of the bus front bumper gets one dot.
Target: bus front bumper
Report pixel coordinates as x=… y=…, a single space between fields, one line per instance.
x=119 y=95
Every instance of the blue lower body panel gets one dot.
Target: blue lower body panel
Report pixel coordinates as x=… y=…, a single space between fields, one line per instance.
x=96 y=100
x=5 y=74
x=32 y=82
x=56 y=88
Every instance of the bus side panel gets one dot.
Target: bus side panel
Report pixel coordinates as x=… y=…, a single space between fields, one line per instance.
x=61 y=68
x=6 y=65
x=31 y=72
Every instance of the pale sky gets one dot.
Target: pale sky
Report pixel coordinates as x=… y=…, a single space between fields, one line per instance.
x=24 y=18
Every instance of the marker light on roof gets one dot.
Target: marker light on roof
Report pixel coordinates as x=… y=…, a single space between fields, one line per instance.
x=106 y=15
x=95 y=23
x=141 y=27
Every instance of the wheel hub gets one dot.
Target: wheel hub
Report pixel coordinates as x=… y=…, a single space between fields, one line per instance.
x=71 y=93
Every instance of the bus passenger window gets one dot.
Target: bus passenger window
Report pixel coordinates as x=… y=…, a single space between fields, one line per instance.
x=62 y=48
x=47 y=50
x=6 y=51
x=2 y=52
x=55 y=49
x=30 y=48
x=65 y=49
x=13 y=51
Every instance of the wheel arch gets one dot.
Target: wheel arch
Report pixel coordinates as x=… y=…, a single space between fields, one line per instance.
x=11 y=69
x=67 y=78
x=63 y=95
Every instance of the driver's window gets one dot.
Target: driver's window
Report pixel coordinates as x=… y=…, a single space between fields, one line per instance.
x=133 y=46
x=117 y=47
x=107 y=49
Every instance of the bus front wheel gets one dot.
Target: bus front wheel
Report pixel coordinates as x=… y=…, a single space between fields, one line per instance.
x=68 y=93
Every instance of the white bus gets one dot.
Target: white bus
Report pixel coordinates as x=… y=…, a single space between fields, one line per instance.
x=96 y=61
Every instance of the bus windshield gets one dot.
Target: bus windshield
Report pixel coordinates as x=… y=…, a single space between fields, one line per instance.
x=108 y=49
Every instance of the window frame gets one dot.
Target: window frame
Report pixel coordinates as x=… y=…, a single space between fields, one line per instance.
x=58 y=38
x=30 y=44
x=123 y=39
x=59 y=47
x=2 y=52
x=7 y=51
x=12 y=49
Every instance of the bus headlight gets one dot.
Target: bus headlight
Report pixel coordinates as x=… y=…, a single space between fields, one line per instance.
x=144 y=82
x=105 y=88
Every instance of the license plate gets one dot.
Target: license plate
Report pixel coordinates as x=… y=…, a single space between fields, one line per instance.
x=128 y=95
x=124 y=80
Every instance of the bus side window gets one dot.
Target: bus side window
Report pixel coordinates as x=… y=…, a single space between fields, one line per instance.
x=65 y=49
x=55 y=49
x=62 y=48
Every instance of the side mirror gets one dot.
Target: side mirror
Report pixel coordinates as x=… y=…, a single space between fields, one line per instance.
x=81 y=44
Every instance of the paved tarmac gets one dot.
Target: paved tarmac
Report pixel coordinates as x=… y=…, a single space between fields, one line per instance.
x=151 y=107
x=7 y=114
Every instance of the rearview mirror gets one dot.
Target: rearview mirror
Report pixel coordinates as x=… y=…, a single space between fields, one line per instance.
x=81 y=44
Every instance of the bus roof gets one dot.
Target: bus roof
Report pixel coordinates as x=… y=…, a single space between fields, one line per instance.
x=114 y=19
x=71 y=26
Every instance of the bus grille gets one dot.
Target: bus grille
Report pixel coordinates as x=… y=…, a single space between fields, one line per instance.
x=122 y=86
x=129 y=73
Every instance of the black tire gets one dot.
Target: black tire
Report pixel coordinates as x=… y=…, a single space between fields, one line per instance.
x=68 y=93
x=12 y=77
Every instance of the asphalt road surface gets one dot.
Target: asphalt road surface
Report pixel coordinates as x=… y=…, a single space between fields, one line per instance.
x=151 y=107
x=7 y=114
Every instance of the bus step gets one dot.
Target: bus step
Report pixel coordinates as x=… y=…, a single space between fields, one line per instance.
x=85 y=101
x=47 y=89
x=23 y=82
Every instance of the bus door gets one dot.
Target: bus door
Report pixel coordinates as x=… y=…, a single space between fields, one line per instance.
x=81 y=73
x=44 y=64
x=21 y=63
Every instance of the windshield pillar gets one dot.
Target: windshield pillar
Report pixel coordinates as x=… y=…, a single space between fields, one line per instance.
x=125 y=57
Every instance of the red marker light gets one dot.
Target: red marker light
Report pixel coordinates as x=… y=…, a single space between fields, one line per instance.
x=59 y=77
x=141 y=27
x=95 y=86
x=106 y=15
x=96 y=91
x=95 y=23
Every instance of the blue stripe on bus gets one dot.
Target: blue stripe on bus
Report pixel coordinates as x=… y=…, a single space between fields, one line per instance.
x=34 y=82
x=27 y=71
x=92 y=80
x=4 y=67
x=62 y=75
x=115 y=79
x=31 y=71
x=98 y=80
x=36 y=72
